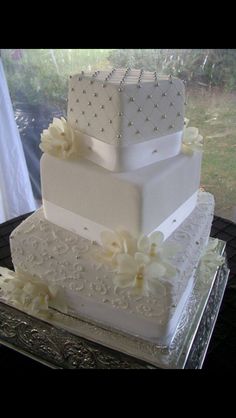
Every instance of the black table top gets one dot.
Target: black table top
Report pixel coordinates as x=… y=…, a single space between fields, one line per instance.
x=222 y=348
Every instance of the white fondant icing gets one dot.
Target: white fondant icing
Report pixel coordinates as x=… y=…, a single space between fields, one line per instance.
x=88 y=284
x=137 y=201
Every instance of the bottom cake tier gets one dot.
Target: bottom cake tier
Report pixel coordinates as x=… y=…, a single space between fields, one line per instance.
x=57 y=256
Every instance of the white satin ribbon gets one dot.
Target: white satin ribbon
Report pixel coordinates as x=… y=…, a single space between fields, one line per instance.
x=121 y=158
x=88 y=229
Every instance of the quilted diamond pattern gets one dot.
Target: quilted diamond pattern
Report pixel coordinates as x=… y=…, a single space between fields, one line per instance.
x=126 y=106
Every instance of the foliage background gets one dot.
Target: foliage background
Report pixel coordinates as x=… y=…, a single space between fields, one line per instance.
x=209 y=67
x=38 y=86
x=40 y=75
x=36 y=76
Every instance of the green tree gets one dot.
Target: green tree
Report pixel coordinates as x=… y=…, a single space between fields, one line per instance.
x=38 y=76
x=212 y=67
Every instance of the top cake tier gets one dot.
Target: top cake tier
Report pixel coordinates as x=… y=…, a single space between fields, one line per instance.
x=125 y=106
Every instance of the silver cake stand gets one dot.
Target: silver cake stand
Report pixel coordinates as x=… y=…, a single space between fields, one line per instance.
x=71 y=343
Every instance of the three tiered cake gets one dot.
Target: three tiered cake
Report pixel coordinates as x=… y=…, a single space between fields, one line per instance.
x=123 y=223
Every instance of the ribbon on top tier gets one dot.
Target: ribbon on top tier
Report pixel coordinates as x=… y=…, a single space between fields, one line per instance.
x=121 y=158
x=61 y=141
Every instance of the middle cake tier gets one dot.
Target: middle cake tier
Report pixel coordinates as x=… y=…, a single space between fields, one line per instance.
x=87 y=199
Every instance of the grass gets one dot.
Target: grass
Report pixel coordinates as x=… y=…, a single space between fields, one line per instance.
x=214 y=113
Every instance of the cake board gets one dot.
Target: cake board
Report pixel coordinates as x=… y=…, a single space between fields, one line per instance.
x=70 y=343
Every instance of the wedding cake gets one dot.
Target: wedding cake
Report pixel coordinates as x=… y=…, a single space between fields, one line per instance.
x=123 y=223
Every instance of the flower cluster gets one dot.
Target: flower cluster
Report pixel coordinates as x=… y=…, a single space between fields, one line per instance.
x=117 y=242
x=139 y=264
x=30 y=293
x=191 y=141
x=210 y=260
x=59 y=139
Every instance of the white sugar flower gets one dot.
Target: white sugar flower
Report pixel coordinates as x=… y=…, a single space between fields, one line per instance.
x=192 y=140
x=30 y=293
x=210 y=260
x=137 y=264
x=151 y=244
x=140 y=274
x=116 y=242
x=59 y=139
x=158 y=250
x=186 y=122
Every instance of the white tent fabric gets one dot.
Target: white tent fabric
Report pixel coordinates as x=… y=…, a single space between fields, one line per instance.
x=16 y=197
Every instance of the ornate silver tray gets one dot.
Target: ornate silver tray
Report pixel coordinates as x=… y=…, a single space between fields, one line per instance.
x=66 y=342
